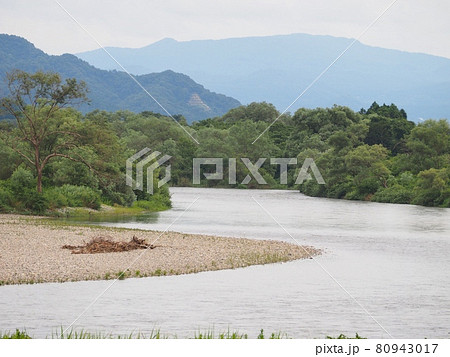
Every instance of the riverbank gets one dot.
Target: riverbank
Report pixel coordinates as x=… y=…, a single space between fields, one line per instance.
x=31 y=251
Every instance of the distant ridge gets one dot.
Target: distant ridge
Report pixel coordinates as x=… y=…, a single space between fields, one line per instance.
x=277 y=68
x=114 y=90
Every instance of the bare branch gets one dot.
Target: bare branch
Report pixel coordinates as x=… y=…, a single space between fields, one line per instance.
x=23 y=155
x=69 y=157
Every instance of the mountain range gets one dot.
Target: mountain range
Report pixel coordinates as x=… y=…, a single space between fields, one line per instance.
x=115 y=90
x=276 y=69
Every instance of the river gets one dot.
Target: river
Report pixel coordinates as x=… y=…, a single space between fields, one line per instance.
x=384 y=273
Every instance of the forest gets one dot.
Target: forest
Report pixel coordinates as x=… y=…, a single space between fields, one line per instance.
x=53 y=156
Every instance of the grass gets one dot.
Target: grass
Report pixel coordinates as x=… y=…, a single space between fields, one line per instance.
x=19 y=335
x=105 y=211
x=22 y=281
x=272 y=336
x=234 y=335
x=121 y=275
x=229 y=335
x=61 y=224
x=344 y=337
x=86 y=335
x=136 y=208
x=158 y=272
x=86 y=213
x=153 y=206
x=156 y=334
x=254 y=258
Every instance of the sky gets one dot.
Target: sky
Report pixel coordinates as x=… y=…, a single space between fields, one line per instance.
x=409 y=25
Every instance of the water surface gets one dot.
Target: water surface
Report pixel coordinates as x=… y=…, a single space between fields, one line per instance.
x=384 y=268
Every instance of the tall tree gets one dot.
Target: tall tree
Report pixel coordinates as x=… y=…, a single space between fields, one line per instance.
x=45 y=128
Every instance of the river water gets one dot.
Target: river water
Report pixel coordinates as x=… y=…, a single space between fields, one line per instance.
x=384 y=273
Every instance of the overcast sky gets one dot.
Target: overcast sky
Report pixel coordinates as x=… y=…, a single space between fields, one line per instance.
x=410 y=25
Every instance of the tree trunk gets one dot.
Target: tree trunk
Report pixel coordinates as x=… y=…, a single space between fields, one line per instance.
x=39 y=181
x=38 y=168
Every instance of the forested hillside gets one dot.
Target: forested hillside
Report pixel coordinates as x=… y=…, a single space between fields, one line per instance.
x=115 y=90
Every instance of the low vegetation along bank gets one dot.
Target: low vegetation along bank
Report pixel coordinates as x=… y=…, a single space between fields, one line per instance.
x=156 y=334
x=37 y=250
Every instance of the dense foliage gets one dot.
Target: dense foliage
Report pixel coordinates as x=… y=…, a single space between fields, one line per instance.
x=375 y=154
x=51 y=156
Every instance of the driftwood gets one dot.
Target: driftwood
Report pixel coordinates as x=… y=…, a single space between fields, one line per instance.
x=106 y=245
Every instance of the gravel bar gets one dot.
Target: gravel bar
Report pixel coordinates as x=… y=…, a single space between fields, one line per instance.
x=31 y=252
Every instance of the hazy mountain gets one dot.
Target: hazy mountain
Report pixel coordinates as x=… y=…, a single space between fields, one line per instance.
x=277 y=68
x=113 y=90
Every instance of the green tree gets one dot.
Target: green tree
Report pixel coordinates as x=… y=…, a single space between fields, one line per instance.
x=45 y=129
x=254 y=111
x=367 y=165
x=316 y=126
x=389 y=132
x=433 y=188
x=387 y=111
x=428 y=146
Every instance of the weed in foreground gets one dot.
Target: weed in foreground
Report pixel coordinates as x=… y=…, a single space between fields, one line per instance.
x=156 y=334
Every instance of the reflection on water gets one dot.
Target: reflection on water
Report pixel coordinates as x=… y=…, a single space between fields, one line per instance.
x=393 y=259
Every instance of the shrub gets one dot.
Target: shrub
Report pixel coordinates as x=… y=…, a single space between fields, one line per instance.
x=339 y=189
x=432 y=187
x=6 y=199
x=21 y=181
x=122 y=195
x=77 y=196
x=35 y=201
x=429 y=197
x=354 y=195
x=368 y=185
x=446 y=198
x=394 y=194
x=157 y=203
x=55 y=198
x=312 y=188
